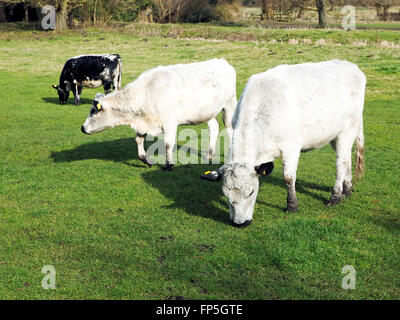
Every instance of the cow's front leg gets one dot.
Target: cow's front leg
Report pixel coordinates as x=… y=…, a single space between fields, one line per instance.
x=140 y=138
x=77 y=90
x=170 y=136
x=107 y=87
x=290 y=162
x=213 y=126
x=78 y=95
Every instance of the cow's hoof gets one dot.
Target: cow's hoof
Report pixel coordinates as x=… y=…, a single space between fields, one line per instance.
x=291 y=209
x=168 y=167
x=146 y=161
x=334 y=201
x=346 y=193
x=241 y=225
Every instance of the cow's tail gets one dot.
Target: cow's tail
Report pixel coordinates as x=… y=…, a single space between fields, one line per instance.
x=119 y=86
x=360 y=154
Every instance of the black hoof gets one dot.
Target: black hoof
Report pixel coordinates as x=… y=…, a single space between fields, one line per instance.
x=146 y=161
x=168 y=167
x=241 y=225
x=333 y=201
x=346 y=193
x=291 y=209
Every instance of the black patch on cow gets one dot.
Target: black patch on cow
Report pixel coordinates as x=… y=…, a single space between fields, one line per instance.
x=265 y=169
x=211 y=176
x=95 y=108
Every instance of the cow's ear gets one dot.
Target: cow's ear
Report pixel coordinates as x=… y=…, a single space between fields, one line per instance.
x=265 y=169
x=55 y=86
x=214 y=176
x=97 y=105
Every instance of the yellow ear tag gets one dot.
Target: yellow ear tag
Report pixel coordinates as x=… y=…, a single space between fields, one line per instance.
x=264 y=173
x=98 y=106
x=207 y=172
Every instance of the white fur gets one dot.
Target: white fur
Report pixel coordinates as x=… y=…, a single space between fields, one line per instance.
x=165 y=97
x=289 y=109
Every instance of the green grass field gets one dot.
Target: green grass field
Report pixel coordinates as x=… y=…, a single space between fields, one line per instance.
x=114 y=229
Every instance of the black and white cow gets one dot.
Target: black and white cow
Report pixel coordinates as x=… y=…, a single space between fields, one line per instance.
x=90 y=71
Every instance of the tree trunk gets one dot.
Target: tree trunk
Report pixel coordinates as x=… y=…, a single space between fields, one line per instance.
x=321 y=6
x=62 y=16
x=95 y=13
x=26 y=12
x=385 y=13
x=300 y=15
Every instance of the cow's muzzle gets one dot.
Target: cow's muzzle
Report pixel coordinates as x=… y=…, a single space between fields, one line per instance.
x=83 y=130
x=241 y=225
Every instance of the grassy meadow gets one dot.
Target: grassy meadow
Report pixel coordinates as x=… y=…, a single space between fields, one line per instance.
x=115 y=229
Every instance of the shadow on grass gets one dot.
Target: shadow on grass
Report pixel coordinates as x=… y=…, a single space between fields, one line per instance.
x=387 y=220
x=188 y=192
x=120 y=150
x=55 y=100
x=304 y=187
x=182 y=185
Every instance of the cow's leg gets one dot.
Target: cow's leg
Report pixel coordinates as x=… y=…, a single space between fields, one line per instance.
x=116 y=83
x=342 y=185
x=140 y=138
x=169 y=140
x=227 y=116
x=290 y=160
x=75 y=91
x=78 y=95
x=213 y=126
x=107 y=87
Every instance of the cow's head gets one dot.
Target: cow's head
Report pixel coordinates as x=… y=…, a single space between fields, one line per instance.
x=99 y=119
x=63 y=94
x=240 y=185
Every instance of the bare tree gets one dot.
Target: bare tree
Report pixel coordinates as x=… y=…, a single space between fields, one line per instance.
x=321 y=7
x=169 y=10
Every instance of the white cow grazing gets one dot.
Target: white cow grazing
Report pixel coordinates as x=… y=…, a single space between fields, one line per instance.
x=165 y=97
x=284 y=111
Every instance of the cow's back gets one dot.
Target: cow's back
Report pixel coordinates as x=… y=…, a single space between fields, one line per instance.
x=94 y=67
x=307 y=103
x=189 y=93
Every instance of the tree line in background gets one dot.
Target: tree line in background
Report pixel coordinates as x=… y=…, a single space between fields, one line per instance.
x=270 y=7
x=70 y=12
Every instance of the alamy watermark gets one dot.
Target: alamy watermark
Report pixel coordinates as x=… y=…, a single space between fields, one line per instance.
x=349 y=21
x=49 y=20
x=191 y=147
x=49 y=280
x=349 y=281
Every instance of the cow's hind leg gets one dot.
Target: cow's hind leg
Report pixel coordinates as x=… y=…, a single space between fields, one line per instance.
x=140 y=138
x=347 y=185
x=169 y=139
x=343 y=185
x=227 y=116
x=290 y=161
x=213 y=126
